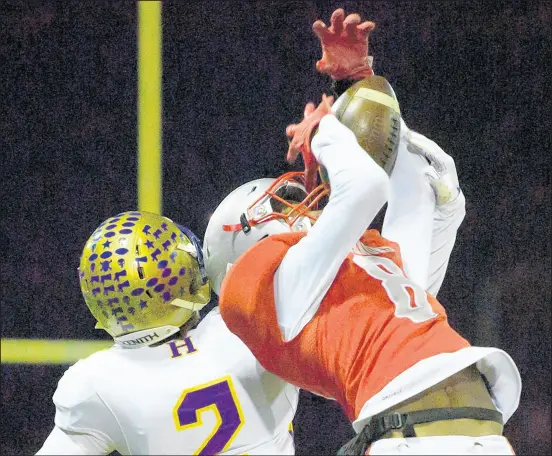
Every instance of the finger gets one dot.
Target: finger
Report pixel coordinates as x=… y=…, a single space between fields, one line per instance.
x=290 y=130
x=322 y=66
x=350 y=23
x=417 y=150
x=327 y=100
x=337 y=21
x=309 y=109
x=320 y=29
x=366 y=28
x=293 y=153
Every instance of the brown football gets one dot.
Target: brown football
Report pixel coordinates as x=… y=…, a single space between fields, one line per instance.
x=371 y=110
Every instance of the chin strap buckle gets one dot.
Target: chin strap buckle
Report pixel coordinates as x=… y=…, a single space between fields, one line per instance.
x=246 y=227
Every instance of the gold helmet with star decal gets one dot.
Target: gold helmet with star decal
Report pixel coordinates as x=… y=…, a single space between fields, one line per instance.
x=142 y=277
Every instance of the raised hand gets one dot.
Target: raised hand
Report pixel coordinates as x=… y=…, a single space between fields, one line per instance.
x=300 y=136
x=442 y=176
x=344 y=46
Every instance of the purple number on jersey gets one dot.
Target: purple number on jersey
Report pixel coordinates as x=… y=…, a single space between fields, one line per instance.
x=220 y=397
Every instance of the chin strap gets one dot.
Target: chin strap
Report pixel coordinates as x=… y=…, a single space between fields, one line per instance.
x=244 y=225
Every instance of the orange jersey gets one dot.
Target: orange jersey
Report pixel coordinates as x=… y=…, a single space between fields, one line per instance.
x=372 y=324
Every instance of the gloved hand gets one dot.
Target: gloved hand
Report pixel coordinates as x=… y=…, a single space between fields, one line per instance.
x=344 y=46
x=300 y=136
x=441 y=174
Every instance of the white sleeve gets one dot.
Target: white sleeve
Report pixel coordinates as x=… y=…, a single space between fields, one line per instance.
x=425 y=232
x=409 y=217
x=359 y=190
x=61 y=442
x=446 y=221
x=81 y=411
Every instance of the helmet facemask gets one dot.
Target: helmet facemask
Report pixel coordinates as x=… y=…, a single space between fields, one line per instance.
x=285 y=200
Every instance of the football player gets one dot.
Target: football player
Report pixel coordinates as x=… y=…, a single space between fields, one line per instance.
x=345 y=59
x=165 y=386
x=328 y=306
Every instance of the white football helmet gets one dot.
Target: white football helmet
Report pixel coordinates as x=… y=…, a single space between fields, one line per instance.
x=252 y=212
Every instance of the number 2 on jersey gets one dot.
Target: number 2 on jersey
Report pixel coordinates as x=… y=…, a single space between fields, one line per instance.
x=218 y=396
x=396 y=286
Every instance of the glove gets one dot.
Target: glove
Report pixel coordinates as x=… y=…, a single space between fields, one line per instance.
x=300 y=136
x=441 y=174
x=344 y=46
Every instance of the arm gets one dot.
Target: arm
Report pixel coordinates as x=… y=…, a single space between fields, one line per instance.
x=409 y=216
x=61 y=442
x=359 y=190
x=424 y=228
x=425 y=209
x=449 y=210
x=84 y=424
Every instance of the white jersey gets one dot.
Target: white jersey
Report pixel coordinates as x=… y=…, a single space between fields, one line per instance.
x=205 y=394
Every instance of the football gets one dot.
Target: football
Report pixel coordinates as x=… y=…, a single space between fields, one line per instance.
x=371 y=110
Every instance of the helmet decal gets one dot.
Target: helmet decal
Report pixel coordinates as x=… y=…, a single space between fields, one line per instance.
x=131 y=271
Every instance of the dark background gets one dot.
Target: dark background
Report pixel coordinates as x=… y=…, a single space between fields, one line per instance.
x=472 y=76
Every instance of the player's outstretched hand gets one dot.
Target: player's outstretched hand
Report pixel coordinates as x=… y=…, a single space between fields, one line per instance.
x=300 y=136
x=442 y=176
x=344 y=46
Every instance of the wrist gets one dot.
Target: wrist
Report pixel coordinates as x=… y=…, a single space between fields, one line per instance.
x=340 y=85
x=354 y=73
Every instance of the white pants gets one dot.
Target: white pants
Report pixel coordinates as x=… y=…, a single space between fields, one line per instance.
x=441 y=445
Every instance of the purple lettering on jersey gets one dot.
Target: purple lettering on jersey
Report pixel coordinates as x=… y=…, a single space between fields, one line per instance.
x=219 y=395
x=186 y=344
